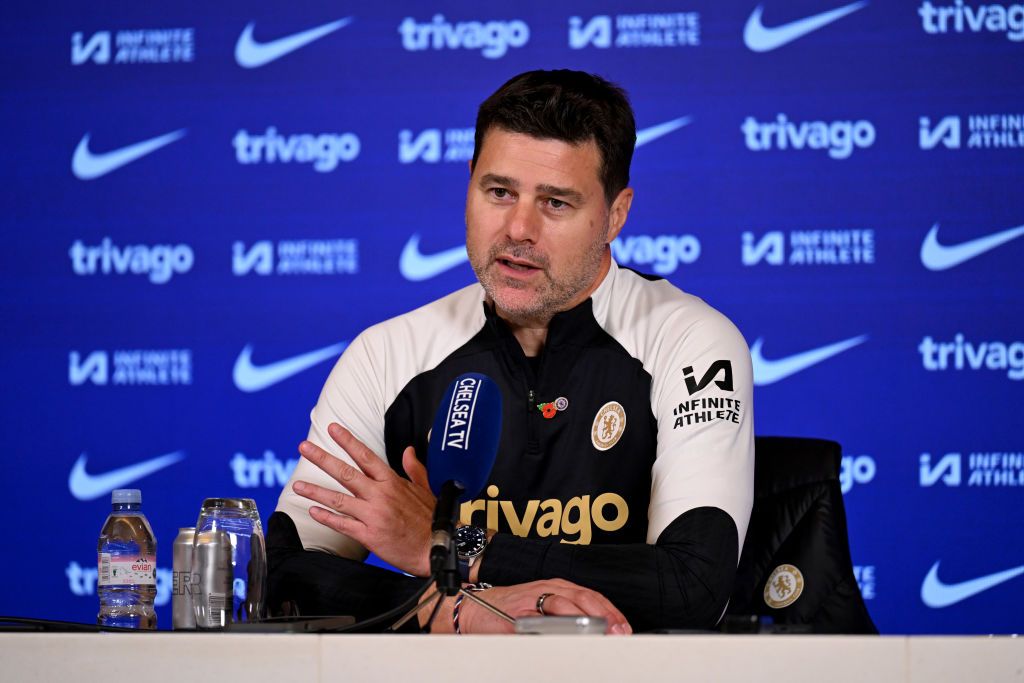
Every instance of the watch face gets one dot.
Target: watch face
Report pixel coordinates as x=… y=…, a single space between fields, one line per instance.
x=470 y=541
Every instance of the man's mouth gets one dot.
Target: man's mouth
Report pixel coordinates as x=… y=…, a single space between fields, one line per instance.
x=516 y=264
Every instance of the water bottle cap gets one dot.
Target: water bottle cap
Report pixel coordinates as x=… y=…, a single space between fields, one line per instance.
x=126 y=496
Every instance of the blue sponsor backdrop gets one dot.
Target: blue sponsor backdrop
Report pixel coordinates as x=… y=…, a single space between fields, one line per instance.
x=195 y=194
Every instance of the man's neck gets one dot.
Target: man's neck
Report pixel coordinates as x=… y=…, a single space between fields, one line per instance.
x=532 y=333
x=531 y=338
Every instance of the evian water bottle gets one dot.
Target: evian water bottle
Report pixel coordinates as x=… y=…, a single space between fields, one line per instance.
x=126 y=581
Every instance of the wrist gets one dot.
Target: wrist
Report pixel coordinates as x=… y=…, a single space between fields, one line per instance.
x=474 y=569
x=460 y=623
x=470 y=543
x=443 y=621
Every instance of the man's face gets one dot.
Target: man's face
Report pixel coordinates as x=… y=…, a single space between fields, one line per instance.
x=537 y=224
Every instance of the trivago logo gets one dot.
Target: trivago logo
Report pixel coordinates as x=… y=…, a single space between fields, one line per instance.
x=324 y=151
x=856 y=469
x=962 y=354
x=838 y=138
x=268 y=471
x=492 y=38
x=159 y=263
x=962 y=17
x=663 y=253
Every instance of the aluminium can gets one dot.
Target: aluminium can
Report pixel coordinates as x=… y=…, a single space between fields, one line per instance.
x=182 y=584
x=212 y=572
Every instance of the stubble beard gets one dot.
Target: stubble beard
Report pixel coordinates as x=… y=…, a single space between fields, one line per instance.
x=550 y=296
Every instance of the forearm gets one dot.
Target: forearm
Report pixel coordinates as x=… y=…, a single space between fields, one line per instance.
x=683 y=581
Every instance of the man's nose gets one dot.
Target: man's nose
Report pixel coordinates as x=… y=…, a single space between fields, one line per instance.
x=524 y=222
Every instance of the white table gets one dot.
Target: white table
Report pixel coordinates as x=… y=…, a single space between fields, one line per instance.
x=283 y=658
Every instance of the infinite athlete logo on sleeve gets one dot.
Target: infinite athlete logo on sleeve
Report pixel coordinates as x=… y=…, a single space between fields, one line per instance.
x=707 y=409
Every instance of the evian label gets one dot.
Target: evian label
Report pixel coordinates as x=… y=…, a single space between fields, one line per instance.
x=125 y=570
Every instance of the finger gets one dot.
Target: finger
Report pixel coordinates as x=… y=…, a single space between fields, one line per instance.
x=369 y=462
x=415 y=469
x=347 y=526
x=597 y=605
x=339 y=470
x=337 y=501
x=557 y=605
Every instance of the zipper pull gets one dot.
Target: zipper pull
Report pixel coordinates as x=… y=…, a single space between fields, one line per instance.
x=531 y=400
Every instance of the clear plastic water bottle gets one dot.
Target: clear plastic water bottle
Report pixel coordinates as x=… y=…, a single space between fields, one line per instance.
x=126 y=563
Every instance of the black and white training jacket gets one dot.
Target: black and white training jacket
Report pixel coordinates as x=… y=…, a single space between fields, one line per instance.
x=637 y=481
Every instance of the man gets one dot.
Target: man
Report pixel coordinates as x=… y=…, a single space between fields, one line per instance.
x=624 y=478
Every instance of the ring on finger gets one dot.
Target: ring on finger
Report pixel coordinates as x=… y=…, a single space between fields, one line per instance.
x=540 y=602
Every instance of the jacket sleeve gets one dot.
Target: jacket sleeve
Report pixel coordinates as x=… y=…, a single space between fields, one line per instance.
x=701 y=490
x=682 y=581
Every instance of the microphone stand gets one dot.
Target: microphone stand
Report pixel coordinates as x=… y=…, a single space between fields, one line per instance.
x=444 y=561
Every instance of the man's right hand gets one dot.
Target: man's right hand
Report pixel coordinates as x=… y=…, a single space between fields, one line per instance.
x=520 y=600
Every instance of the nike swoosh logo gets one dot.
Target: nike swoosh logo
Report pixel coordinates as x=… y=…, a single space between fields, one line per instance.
x=88 y=165
x=936 y=256
x=251 y=54
x=654 y=132
x=250 y=378
x=761 y=38
x=935 y=593
x=771 y=371
x=417 y=267
x=85 y=486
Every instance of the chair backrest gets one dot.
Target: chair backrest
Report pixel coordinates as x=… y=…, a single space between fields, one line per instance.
x=796 y=566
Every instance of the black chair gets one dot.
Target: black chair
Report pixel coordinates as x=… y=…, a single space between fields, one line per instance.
x=795 y=567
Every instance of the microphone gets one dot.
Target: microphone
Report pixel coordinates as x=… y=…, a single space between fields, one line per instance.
x=462 y=449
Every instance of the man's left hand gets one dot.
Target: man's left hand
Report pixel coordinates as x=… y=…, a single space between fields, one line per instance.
x=386 y=514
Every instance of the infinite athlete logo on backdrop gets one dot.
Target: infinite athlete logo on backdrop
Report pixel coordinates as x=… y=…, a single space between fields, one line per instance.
x=427 y=146
x=675 y=29
x=810 y=247
x=985 y=131
x=985 y=469
x=771 y=371
x=135 y=46
x=296 y=257
x=865 y=576
x=131 y=367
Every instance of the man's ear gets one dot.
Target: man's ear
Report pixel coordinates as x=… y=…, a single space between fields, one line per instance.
x=619 y=212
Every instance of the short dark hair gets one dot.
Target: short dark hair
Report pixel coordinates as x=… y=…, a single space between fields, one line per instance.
x=572 y=106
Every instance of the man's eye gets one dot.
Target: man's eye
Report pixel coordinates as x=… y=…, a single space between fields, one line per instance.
x=500 y=192
x=556 y=203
